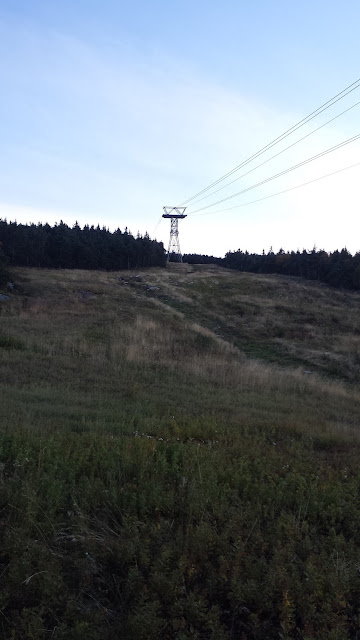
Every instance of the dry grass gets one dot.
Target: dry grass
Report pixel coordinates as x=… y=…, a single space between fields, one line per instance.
x=84 y=329
x=167 y=466
x=150 y=341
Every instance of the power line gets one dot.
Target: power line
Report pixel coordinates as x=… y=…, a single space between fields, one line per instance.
x=301 y=123
x=281 y=173
x=303 y=184
x=156 y=226
x=277 y=154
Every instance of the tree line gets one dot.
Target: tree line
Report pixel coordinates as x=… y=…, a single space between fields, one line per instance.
x=4 y=275
x=337 y=268
x=64 y=247
x=197 y=258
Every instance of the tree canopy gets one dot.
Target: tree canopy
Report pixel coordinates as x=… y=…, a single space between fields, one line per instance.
x=337 y=268
x=61 y=246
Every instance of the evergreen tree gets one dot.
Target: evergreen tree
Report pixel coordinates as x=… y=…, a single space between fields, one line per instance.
x=4 y=274
x=64 y=247
x=338 y=269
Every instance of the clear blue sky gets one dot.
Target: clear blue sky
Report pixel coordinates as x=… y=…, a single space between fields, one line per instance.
x=109 y=110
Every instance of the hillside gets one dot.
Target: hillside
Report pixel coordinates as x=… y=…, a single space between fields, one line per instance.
x=179 y=454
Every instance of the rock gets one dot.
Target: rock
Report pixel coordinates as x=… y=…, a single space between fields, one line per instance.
x=85 y=295
x=10 y=286
x=3 y=297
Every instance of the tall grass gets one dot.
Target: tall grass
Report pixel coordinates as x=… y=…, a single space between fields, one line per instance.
x=156 y=480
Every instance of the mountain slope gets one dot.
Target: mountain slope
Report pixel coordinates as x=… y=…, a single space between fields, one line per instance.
x=171 y=469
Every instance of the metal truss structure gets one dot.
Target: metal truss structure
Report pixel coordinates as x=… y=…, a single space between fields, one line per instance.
x=174 y=214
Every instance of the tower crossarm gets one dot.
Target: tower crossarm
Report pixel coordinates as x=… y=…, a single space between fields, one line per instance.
x=174 y=212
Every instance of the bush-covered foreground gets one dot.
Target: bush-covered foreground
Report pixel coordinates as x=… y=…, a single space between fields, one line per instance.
x=251 y=535
x=157 y=482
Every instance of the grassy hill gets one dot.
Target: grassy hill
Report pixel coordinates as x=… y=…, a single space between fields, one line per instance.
x=179 y=456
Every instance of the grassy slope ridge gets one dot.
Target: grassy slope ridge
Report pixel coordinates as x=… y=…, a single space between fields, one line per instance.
x=168 y=469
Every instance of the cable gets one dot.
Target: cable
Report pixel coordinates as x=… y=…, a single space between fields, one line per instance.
x=284 y=135
x=156 y=226
x=276 y=154
x=281 y=173
x=301 y=123
x=303 y=184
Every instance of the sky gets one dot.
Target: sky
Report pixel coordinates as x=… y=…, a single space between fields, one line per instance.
x=110 y=110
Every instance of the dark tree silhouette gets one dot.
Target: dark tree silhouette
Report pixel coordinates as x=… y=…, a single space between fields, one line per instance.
x=63 y=247
x=4 y=275
x=338 y=269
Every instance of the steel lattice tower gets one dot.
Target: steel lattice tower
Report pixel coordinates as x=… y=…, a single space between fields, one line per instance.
x=175 y=214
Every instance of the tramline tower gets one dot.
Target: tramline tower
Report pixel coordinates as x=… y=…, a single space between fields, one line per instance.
x=174 y=214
